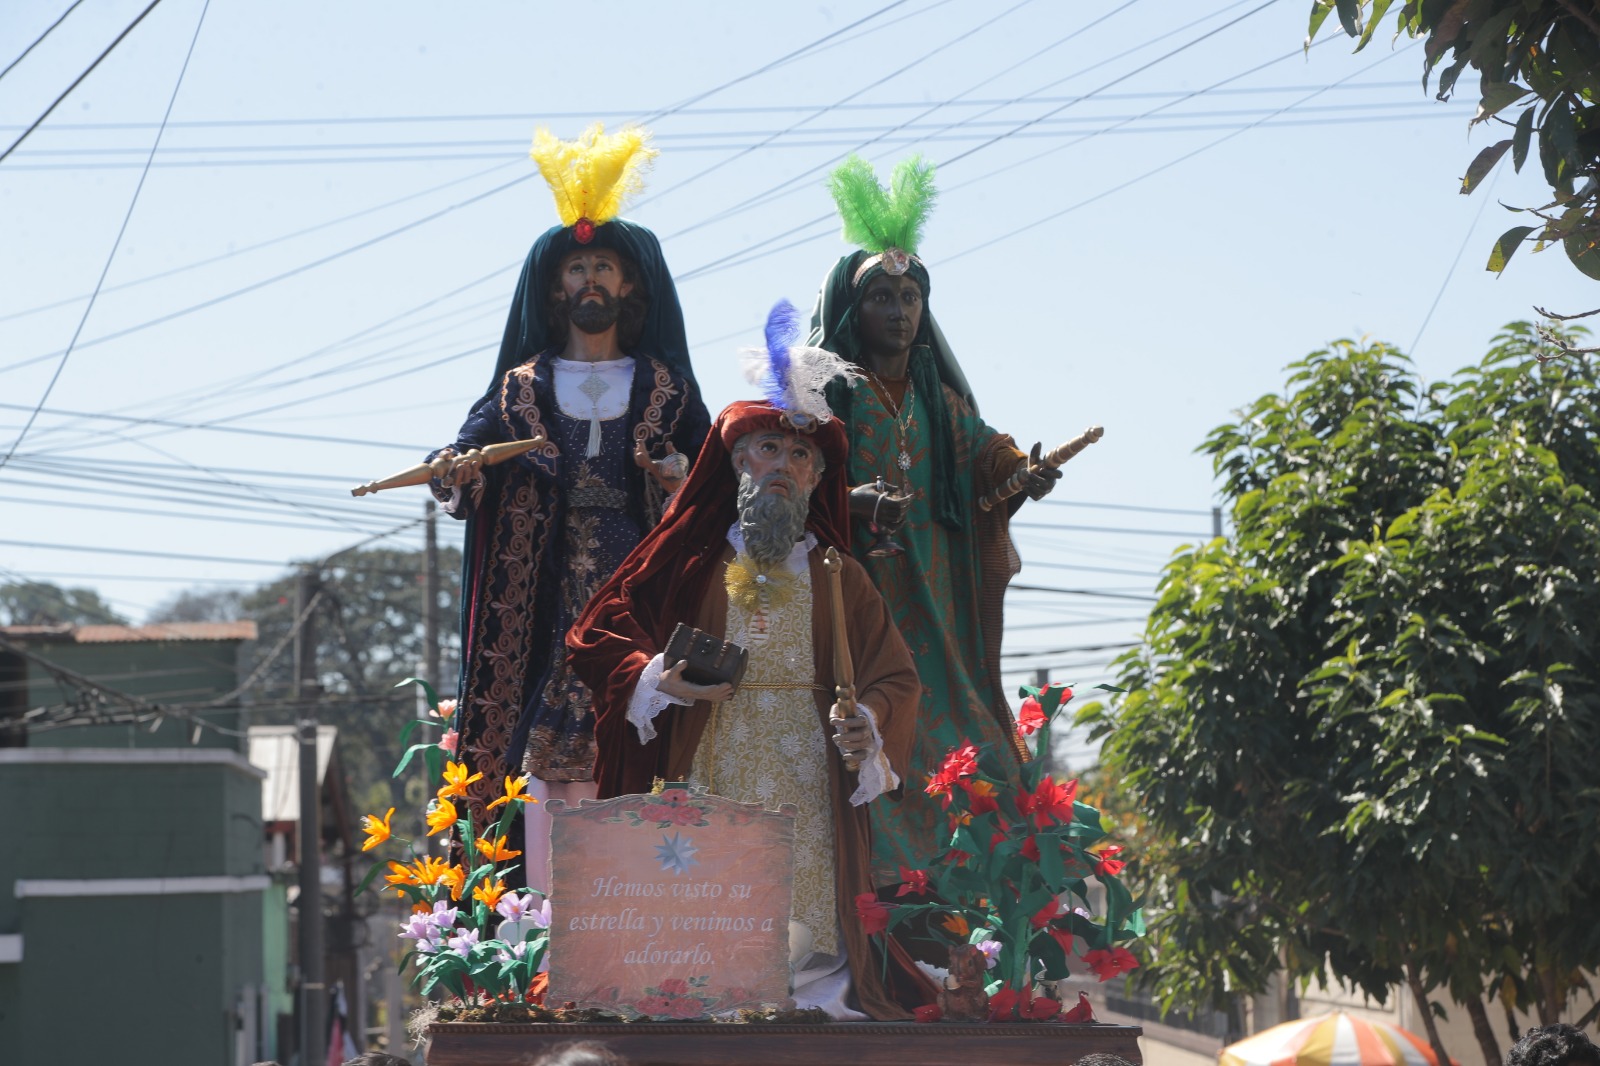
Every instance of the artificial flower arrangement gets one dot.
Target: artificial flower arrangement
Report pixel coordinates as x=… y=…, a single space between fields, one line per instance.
x=473 y=937
x=1012 y=855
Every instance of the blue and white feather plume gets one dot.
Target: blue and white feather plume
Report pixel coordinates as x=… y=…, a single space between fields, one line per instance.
x=790 y=375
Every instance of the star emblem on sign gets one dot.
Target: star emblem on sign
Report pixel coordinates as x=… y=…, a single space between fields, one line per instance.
x=677 y=853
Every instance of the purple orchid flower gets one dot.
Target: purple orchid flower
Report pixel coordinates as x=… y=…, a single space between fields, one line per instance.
x=464 y=943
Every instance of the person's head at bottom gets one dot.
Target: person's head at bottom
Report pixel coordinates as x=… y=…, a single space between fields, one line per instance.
x=1554 y=1045
x=580 y=1053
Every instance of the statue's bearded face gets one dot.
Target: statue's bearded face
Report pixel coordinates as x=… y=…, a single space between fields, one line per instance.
x=593 y=284
x=777 y=473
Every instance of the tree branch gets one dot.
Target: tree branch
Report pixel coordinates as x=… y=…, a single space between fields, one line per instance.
x=1582 y=16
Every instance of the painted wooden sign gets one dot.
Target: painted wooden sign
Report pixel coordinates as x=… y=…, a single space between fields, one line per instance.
x=673 y=905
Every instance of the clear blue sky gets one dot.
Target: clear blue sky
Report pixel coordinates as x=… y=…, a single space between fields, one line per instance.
x=1107 y=248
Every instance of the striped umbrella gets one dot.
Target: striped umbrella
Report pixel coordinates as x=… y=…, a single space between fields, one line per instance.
x=1336 y=1039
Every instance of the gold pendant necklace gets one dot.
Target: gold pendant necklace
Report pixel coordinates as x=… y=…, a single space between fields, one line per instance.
x=904 y=415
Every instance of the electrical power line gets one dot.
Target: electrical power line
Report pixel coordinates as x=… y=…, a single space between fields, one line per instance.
x=127 y=216
x=47 y=30
x=79 y=79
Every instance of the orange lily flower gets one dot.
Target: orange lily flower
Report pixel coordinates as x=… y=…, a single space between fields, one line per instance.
x=456 y=780
x=514 y=791
x=957 y=925
x=377 y=829
x=496 y=852
x=441 y=816
x=488 y=894
x=428 y=870
x=400 y=874
x=456 y=878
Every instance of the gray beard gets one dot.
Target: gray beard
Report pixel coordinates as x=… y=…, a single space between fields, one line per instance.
x=771 y=524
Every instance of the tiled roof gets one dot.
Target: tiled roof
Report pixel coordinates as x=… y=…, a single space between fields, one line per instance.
x=132 y=634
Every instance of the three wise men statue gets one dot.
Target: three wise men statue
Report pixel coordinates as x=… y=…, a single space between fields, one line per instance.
x=594 y=360
x=740 y=556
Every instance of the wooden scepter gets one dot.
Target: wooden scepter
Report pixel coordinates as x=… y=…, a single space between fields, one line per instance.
x=422 y=473
x=1056 y=457
x=844 y=670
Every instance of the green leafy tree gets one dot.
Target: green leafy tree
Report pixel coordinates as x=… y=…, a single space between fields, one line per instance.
x=1538 y=60
x=200 y=605
x=39 y=603
x=1364 y=730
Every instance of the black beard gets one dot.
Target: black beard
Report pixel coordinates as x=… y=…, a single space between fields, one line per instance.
x=591 y=317
x=771 y=524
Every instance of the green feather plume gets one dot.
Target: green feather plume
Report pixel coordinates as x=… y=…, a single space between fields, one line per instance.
x=875 y=218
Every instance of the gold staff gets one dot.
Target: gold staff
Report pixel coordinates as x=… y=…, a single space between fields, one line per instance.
x=1054 y=459
x=843 y=668
x=422 y=473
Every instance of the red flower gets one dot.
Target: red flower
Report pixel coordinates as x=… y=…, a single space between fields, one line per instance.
x=1066 y=693
x=913 y=882
x=1081 y=1013
x=962 y=762
x=1107 y=964
x=930 y=1013
x=655 y=1006
x=1108 y=865
x=1003 y=1005
x=1041 y=1009
x=1030 y=849
x=686 y=1007
x=981 y=796
x=873 y=913
x=1061 y=936
x=1051 y=801
x=957 y=856
x=674 y=986
x=677 y=797
x=1032 y=717
x=996 y=840
x=1047 y=914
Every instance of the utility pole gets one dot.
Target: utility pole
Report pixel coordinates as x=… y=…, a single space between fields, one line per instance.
x=430 y=596
x=1216 y=521
x=307 y=690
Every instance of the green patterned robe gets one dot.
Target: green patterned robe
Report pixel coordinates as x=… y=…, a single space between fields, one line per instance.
x=945 y=595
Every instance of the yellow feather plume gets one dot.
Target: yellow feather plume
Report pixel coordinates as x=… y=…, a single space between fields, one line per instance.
x=593 y=176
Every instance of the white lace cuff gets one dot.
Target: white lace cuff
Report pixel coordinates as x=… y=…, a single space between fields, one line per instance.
x=876 y=776
x=648 y=701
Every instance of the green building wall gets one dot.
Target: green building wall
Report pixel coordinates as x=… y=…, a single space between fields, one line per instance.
x=121 y=960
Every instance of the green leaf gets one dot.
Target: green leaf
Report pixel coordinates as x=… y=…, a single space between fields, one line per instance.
x=1482 y=165
x=1497 y=96
x=405 y=760
x=371 y=873
x=1051 y=956
x=1584 y=255
x=1561 y=128
x=1320 y=10
x=1521 y=138
x=1506 y=246
x=1051 y=867
x=427 y=690
x=1379 y=9
x=1350 y=16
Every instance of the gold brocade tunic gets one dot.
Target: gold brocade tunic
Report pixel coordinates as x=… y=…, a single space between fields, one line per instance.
x=767 y=746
